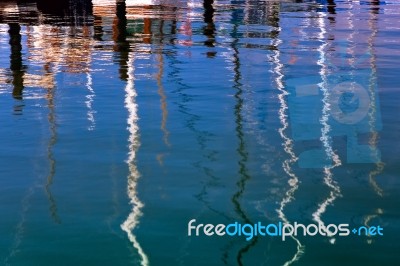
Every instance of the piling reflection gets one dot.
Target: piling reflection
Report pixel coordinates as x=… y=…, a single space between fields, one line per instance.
x=209 y=28
x=121 y=46
x=16 y=60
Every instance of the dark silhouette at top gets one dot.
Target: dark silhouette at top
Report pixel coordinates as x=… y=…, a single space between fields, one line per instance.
x=63 y=12
x=16 y=66
x=119 y=36
x=209 y=28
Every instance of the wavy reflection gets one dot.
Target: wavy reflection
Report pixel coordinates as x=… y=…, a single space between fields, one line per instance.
x=193 y=122
x=243 y=155
x=91 y=94
x=20 y=228
x=163 y=99
x=45 y=81
x=89 y=102
x=326 y=128
x=288 y=147
x=50 y=156
x=373 y=141
x=132 y=220
x=244 y=176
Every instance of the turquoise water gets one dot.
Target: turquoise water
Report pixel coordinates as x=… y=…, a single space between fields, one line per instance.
x=121 y=123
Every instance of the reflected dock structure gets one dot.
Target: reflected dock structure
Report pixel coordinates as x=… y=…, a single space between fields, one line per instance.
x=300 y=120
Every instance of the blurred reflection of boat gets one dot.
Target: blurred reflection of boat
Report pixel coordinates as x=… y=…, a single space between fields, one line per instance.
x=63 y=12
x=175 y=3
x=70 y=11
x=67 y=45
x=144 y=21
x=65 y=33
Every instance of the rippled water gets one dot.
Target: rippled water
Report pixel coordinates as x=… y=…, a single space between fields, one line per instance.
x=120 y=122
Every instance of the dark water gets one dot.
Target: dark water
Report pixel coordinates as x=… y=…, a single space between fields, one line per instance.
x=122 y=122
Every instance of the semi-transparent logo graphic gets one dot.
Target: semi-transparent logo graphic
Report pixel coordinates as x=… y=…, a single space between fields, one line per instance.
x=281 y=230
x=340 y=101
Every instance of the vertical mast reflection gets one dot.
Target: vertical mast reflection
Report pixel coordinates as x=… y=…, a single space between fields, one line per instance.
x=373 y=141
x=326 y=128
x=89 y=81
x=132 y=220
x=287 y=164
x=241 y=149
x=89 y=101
x=163 y=97
x=287 y=144
x=50 y=155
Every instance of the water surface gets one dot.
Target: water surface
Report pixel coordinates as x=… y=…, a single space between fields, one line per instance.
x=120 y=122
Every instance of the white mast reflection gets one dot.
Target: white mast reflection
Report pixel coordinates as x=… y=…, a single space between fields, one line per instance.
x=87 y=34
x=373 y=141
x=288 y=147
x=132 y=220
x=326 y=128
x=89 y=101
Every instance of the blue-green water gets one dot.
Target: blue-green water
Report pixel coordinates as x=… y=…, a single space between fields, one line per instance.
x=121 y=123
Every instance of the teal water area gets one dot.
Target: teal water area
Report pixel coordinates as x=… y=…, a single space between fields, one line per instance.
x=122 y=121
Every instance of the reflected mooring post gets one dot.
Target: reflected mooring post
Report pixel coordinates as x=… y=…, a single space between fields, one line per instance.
x=147 y=33
x=331 y=7
x=119 y=37
x=16 y=66
x=209 y=28
x=97 y=28
x=375 y=6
